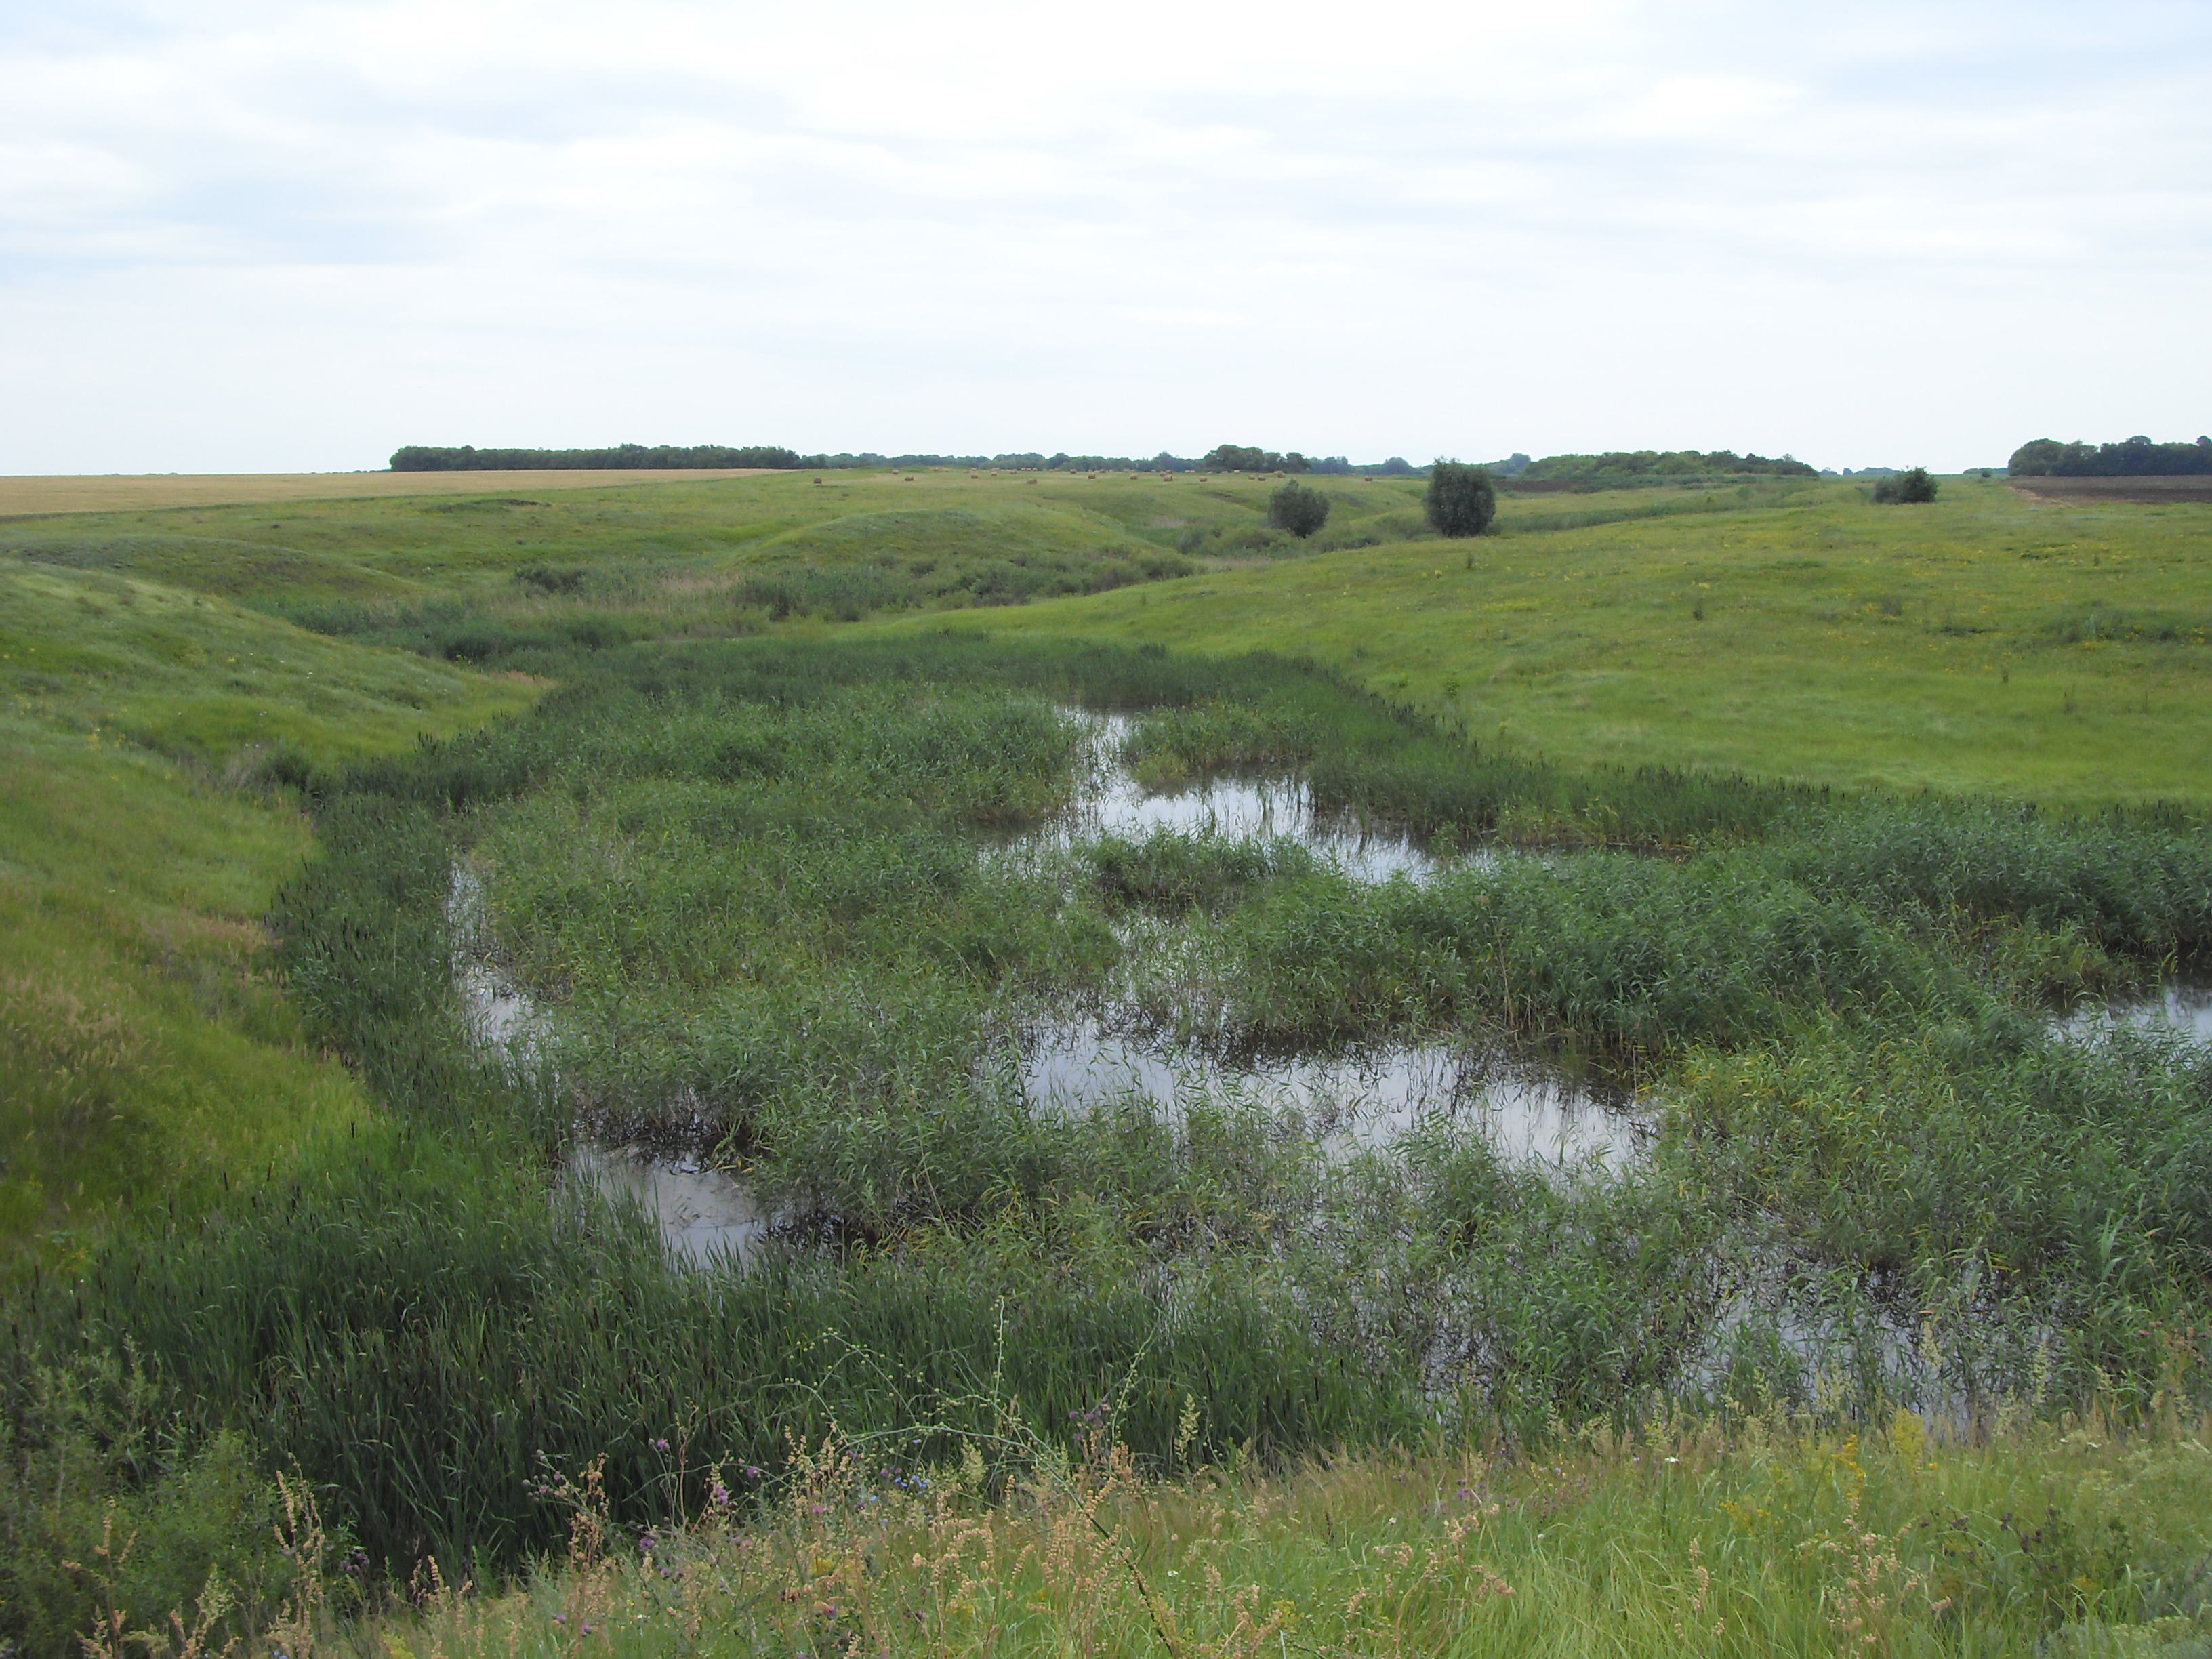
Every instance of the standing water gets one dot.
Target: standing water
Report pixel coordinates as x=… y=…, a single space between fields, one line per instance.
x=1112 y=802
x=705 y=1213
x=2178 y=1005
x=1533 y=1114
x=1362 y=1098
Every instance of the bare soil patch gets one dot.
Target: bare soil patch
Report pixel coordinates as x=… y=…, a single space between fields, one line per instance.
x=2191 y=487
x=124 y=492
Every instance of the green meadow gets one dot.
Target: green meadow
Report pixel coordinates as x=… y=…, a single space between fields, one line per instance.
x=1992 y=642
x=1801 y=840
x=1986 y=644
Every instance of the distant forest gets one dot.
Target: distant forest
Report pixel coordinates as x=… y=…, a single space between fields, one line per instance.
x=467 y=457
x=2138 y=457
x=1663 y=463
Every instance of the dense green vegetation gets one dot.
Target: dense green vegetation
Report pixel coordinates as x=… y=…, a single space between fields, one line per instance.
x=1462 y=501
x=1297 y=509
x=745 y=879
x=1245 y=458
x=1626 y=465
x=1910 y=487
x=2137 y=457
x=780 y=893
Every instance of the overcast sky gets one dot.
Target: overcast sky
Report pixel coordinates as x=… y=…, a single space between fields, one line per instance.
x=246 y=236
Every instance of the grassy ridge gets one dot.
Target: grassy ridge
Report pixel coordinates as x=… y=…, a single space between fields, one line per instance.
x=1990 y=643
x=148 y=1052
x=465 y=577
x=1987 y=644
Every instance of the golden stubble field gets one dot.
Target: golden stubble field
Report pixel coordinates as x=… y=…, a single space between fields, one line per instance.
x=33 y=494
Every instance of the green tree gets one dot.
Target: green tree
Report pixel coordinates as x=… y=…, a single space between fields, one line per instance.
x=1297 y=509
x=1461 y=499
x=1913 y=488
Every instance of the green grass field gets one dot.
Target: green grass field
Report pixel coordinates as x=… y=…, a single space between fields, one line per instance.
x=1987 y=644
x=722 y=752
x=1994 y=642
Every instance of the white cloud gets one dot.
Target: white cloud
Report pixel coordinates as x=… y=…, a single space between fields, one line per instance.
x=283 y=235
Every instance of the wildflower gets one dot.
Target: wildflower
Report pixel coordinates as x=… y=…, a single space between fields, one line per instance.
x=660 y=1445
x=752 y=1472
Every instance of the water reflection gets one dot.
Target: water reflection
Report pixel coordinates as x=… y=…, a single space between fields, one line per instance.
x=1364 y=1097
x=706 y=1214
x=1111 y=802
x=497 y=1013
x=2178 y=1005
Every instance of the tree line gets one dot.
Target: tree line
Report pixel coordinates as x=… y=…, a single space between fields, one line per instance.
x=1223 y=458
x=2137 y=457
x=1664 y=464
x=1642 y=464
x=467 y=457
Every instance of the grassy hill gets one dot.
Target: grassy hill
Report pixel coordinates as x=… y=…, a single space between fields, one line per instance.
x=145 y=1051
x=1989 y=643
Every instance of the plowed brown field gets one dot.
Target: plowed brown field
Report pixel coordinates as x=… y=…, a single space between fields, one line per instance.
x=2195 y=487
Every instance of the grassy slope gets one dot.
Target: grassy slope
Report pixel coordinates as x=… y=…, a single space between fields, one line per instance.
x=142 y=1050
x=1987 y=643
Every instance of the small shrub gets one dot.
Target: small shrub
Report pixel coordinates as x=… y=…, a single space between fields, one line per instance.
x=1906 y=489
x=1297 y=509
x=1462 y=501
x=550 y=578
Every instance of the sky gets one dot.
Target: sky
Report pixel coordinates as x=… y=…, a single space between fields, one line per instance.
x=239 y=235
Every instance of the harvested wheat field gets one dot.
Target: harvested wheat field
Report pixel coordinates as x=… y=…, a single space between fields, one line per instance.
x=24 y=496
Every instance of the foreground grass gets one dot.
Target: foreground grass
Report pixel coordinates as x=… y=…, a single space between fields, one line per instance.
x=1773 y=1538
x=1990 y=643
